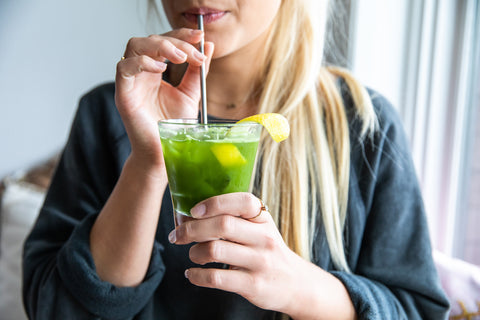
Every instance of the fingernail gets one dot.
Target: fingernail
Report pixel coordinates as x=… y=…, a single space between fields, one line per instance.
x=182 y=55
x=199 y=56
x=198 y=210
x=161 y=65
x=195 y=31
x=186 y=273
x=172 y=237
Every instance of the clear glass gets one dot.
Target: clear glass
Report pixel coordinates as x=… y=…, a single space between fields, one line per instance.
x=205 y=160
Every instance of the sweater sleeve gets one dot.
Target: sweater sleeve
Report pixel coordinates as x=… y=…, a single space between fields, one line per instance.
x=60 y=280
x=394 y=276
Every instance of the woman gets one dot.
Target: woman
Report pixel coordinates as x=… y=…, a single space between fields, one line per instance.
x=346 y=236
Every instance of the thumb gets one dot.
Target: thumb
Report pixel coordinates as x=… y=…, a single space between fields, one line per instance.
x=209 y=47
x=190 y=84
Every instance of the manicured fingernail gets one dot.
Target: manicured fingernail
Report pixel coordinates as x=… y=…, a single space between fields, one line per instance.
x=186 y=273
x=172 y=237
x=199 y=56
x=198 y=210
x=161 y=65
x=196 y=31
x=182 y=55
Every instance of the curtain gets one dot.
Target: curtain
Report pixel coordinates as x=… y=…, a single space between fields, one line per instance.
x=424 y=55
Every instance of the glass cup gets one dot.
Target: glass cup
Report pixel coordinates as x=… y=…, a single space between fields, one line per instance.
x=205 y=160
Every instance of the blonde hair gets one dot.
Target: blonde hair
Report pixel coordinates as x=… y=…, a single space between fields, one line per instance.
x=309 y=172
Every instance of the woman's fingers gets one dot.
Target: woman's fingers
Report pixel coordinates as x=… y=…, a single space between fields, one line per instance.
x=225 y=227
x=190 y=80
x=132 y=66
x=227 y=252
x=150 y=54
x=240 y=204
x=176 y=46
x=128 y=68
x=209 y=47
x=228 y=280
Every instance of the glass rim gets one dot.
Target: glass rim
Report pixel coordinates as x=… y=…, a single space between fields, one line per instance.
x=215 y=122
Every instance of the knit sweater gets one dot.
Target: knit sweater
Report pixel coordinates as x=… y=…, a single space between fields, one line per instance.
x=386 y=235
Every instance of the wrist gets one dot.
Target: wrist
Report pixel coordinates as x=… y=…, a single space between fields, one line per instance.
x=302 y=294
x=144 y=169
x=318 y=295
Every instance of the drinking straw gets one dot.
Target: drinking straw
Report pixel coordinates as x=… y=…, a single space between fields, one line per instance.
x=203 y=116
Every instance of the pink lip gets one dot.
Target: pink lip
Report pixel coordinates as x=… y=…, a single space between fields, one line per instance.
x=209 y=15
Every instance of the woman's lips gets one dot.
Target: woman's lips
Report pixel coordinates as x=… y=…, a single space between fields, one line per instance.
x=209 y=15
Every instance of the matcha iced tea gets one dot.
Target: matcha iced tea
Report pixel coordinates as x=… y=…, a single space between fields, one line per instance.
x=207 y=160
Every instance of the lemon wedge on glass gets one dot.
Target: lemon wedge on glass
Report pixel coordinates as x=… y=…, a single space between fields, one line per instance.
x=228 y=155
x=276 y=124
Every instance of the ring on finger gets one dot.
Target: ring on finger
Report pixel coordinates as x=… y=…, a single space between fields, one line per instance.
x=263 y=207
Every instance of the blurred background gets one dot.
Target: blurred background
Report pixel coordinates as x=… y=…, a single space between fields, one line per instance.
x=422 y=55
x=425 y=57
x=51 y=53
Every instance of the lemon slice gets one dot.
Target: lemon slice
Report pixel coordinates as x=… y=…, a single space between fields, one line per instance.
x=228 y=155
x=276 y=124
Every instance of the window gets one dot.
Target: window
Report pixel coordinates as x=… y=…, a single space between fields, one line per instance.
x=467 y=243
x=469 y=246
x=424 y=56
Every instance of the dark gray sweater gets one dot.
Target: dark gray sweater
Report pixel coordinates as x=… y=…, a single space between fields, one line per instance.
x=387 y=242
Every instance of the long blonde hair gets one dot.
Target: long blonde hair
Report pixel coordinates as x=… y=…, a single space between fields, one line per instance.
x=309 y=172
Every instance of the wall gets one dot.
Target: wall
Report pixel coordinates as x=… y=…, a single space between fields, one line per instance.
x=52 y=52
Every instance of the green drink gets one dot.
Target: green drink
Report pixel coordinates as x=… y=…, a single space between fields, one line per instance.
x=207 y=160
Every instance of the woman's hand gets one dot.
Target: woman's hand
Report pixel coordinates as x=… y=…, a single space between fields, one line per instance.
x=122 y=237
x=262 y=268
x=143 y=98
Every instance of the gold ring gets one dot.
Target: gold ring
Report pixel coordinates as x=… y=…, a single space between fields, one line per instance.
x=263 y=207
x=122 y=58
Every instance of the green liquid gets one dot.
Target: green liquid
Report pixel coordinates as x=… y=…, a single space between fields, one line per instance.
x=198 y=169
